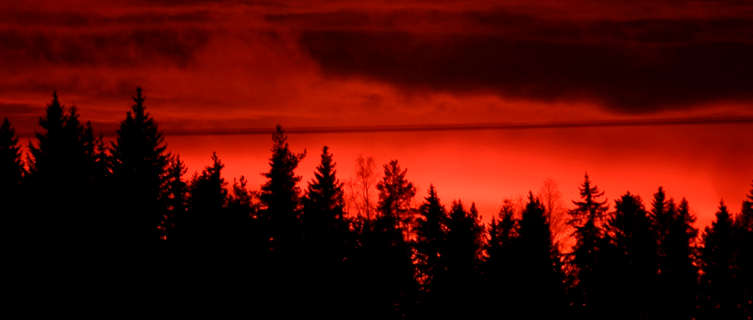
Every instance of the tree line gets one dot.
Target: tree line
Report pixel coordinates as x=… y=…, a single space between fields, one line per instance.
x=630 y=259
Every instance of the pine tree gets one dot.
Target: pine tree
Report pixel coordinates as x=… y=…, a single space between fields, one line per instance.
x=326 y=228
x=680 y=275
x=280 y=197
x=744 y=237
x=431 y=235
x=61 y=173
x=634 y=266
x=12 y=169
x=177 y=198
x=460 y=284
x=720 y=292
x=12 y=172
x=587 y=218
x=499 y=266
x=207 y=203
x=139 y=169
x=385 y=258
x=539 y=282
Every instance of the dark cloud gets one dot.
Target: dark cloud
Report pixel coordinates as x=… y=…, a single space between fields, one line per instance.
x=118 y=48
x=631 y=66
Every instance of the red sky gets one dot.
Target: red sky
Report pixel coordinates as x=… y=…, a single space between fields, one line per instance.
x=237 y=65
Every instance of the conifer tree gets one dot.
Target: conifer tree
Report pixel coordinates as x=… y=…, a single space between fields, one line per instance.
x=61 y=173
x=635 y=266
x=325 y=226
x=587 y=218
x=12 y=172
x=431 y=237
x=280 y=196
x=12 y=168
x=459 y=286
x=720 y=289
x=385 y=258
x=539 y=283
x=177 y=197
x=499 y=266
x=680 y=275
x=744 y=237
x=139 y=169
x=207 y=203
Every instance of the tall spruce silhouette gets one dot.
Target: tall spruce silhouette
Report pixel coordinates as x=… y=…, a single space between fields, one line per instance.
x=744 y=237
x=62 y=172
x=587 y=218
x=139 y=169
x=329 y=243
x=679 y=275
x=634 y=262
x=243 y=211
x=280 y=197
x=385 y=258
x=176 y=198
x=499 y=265
x=12 y=172
x=431 y=238
x=539 y=281
x=326 y=229
x=458 y=288
x=207 y=217
x=721 y=294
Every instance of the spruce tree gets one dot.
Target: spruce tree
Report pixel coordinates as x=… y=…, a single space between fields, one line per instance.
x=325 y=226
x=431 y=235
x=539 y=281
x=12 y=172
x=176 y=198
x=61 y=173
x=12 y=169
x=385 y=258
x=680 y=275
x=499 y=266
x=744 y=237
x=207 y=203
x=139 y=169
x=459 y=286
x=280 y=197
x=721 y=293
x=587 y=218
x=634 y=266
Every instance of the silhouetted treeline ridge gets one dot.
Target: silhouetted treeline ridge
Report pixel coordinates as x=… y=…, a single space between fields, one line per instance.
x=320 y=249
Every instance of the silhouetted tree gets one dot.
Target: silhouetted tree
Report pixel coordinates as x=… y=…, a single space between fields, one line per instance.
x=243 y=210
x=139 y=169
x=207 y=201
x=280 y=197
x=385 y=258
x=459 y=286
x=62 y=173
x=720 y=288
x=431 y=237
x=12 y=172
x=539 y=282
x=586 y=219
x=326 y=230
x=679 y=274
x=177 y=197
x=634 y=266
x=744 y=237
x=499 y=267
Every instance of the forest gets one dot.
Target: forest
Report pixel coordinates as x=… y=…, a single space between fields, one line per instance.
x=385 y=259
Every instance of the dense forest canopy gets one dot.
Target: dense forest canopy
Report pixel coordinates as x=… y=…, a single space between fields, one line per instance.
x=398 y=254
